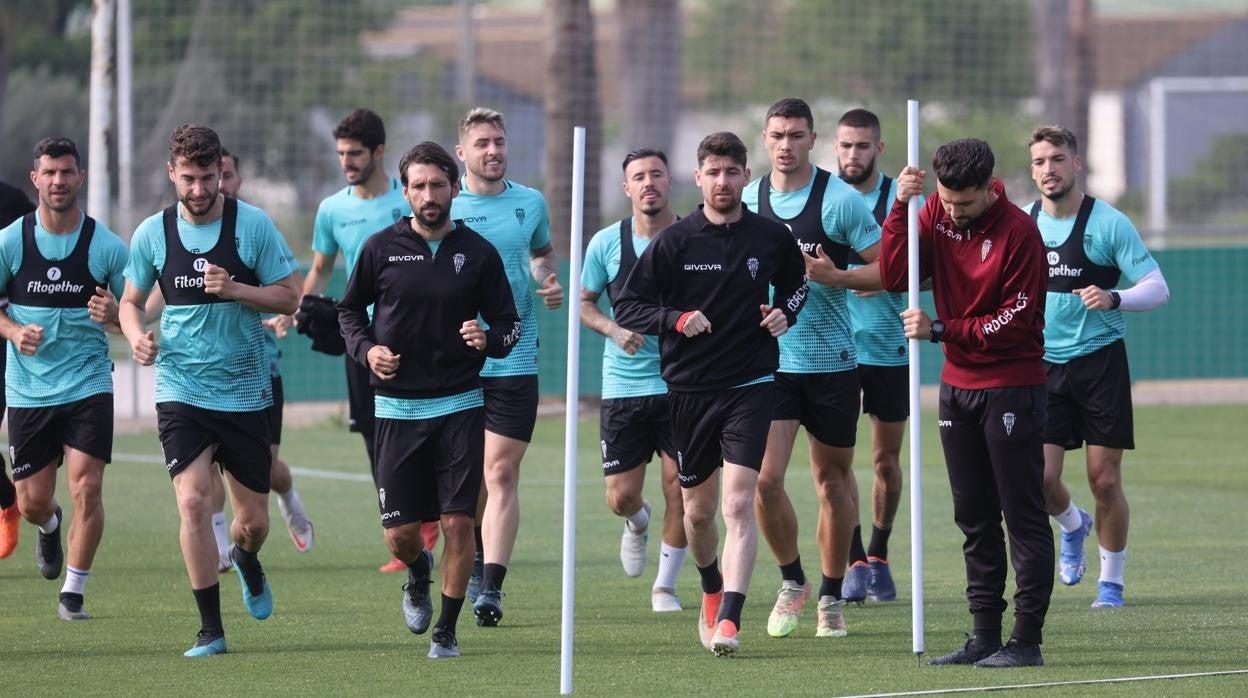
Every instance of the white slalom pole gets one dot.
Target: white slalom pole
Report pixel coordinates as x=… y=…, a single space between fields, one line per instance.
x=572 y=299
x=916 y=416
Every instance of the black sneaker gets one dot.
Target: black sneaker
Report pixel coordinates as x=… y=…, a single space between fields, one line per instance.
x=70 y=607
x=49 y=556
x=1015 y=653
x=977 y=647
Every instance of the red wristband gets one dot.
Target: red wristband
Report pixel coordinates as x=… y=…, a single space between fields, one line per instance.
x=680 y=321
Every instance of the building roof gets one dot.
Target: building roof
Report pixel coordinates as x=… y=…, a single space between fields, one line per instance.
x=1128 y=49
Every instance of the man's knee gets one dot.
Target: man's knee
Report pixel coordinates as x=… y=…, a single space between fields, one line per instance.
x=405 y=541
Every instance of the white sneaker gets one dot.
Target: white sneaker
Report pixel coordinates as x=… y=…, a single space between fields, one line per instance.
x=224 y=563
x=301 y=531
x=633 y=548
x=664 y=600
x=831 y=617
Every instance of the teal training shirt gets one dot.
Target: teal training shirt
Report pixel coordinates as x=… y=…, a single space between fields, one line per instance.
x=878 y=333
x=515 y=221
x=427 y=408
x=822 y=340
x=72 y=362
x=1111 y=240
x=344 y=221
x=212 y=356
x=622 y=375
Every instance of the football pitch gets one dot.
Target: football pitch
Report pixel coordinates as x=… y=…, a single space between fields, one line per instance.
x=337 y=627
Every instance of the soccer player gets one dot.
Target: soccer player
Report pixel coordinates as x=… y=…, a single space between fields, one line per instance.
x=817 y=385
x=62 y=272
x=428 y=279
x=883 y=364
x=220 y=263
x=13 y=205
x=703 y=286
x=1091 y=245
x=370 y=202
x=634 y=422
x=513 y=218
x=986 y=265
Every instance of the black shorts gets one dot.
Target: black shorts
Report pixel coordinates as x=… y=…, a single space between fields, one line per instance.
x=38 y=435
x=723 y=425
x=825 y=403
x=360 y=412
x=632 y=430
x=1090 y=400
x=275 y=412
x=885 y=392
x=240 y=441
x=429 y=467
x=511 y=406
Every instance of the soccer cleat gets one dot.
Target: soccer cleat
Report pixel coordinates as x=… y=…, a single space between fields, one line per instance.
x=488 y=608
x=417 y=603
x=49 y=555
x=789 y=602
x=881 y=586
x=707 y=615
x=857 y=577
x=1108 y=595
x=301 y=531
x=10 y=527
x=725 y=642
x=395 y=565
x=633 y=548
x=1073 y=564
x=442 y=645
x=1016 y=653
x=70 y=607
x=224 y=563
x=664 y=600
x=474 y=579
x=259 y=605
x=978 y=646
x=207 y=644
x=429 y=531
x=831 y=618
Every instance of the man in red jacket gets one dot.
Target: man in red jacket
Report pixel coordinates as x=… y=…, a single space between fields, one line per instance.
x=988 y=271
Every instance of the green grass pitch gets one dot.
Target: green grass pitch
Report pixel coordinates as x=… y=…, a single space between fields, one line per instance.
x=338 y=629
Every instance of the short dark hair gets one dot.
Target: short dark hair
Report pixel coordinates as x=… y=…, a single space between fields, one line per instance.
x=56 y=147
x=227 y=154
x=861 y=118
x=1059 y=136
x=963 y=164
x=724 y=144
x=644 y=153
x=791 y=108
x=197 y=144
x=429 y=153
x=362 y=125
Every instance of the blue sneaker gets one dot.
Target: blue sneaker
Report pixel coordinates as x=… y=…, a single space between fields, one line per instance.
x=206 y=645
x=881 y=586
x=1108 y=595
x=857 y=577
x=1073 y=564
x=488 y=608
x=259 y=606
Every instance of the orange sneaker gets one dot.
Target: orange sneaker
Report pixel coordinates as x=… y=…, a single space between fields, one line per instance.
x=707 y=615
x=429 y=531
x=395 y=565
x=10 y=525
x=725 y=643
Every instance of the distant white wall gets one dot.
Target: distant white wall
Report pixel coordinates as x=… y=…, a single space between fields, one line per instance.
x=1104 y=155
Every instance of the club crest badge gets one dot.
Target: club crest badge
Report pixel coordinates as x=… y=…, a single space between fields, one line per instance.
x=520 y=216
x=604 y=449
x=752 y=265
x=396 y=214
x=459 y=259
x=381 y=495
x=984 y=249
x=1008 y=420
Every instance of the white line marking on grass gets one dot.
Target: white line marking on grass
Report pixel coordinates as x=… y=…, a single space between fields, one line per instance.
x=1083 y=682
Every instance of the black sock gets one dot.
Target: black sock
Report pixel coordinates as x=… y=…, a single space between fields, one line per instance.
x=419 y=568
x=793 y=571
x=208 y=600
x=730 y=608
x=856 y=553
x=8 y=493
x=492 y=576
x=831 y=586
x=476 y=534
x=879 y=542
x=712 y=580
x=249 y=563
x=449 y=615
x=72 y=597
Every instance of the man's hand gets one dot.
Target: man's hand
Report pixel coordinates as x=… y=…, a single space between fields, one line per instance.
x=383 y=363
x=217 y=281
x=1095 y=298
x=909 y=183
x=473 y=335
x=822 y=269
x=279 y=325
x=774 y=320
x=628 y=341
x=27 y=339
x=551 y=292
x=693 y=323
x=916 y=323
x=144 y=350
x=103 y=307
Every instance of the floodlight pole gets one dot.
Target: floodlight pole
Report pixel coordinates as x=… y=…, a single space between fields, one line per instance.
x=916 y=419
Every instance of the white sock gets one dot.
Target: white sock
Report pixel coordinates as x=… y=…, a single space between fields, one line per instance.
x=641 y=520
x=221 y=532
x=1069 y=520
x=670 y=560
x=50 y=525
x=1112 y=565
x=289 y=499
x=75 y=580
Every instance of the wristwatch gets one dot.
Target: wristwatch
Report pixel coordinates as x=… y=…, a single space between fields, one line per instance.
x=1115 y=300
x=938 y=331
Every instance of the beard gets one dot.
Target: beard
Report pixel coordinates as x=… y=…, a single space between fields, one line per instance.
x=868 y=170
x=363 y=174
x=65 y=205
x=1060 y=192
x=199 y=209
x=438 y=219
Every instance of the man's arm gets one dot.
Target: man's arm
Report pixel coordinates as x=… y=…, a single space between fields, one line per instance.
x=143 y=346
x=596 y=320
x=353 y=308
x=638 y=308
x=498 y=309
x=319 y=274
x=545 y=267
x=281 y=296
x=893 y=259
x=1023 y=286
x=821 y=269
